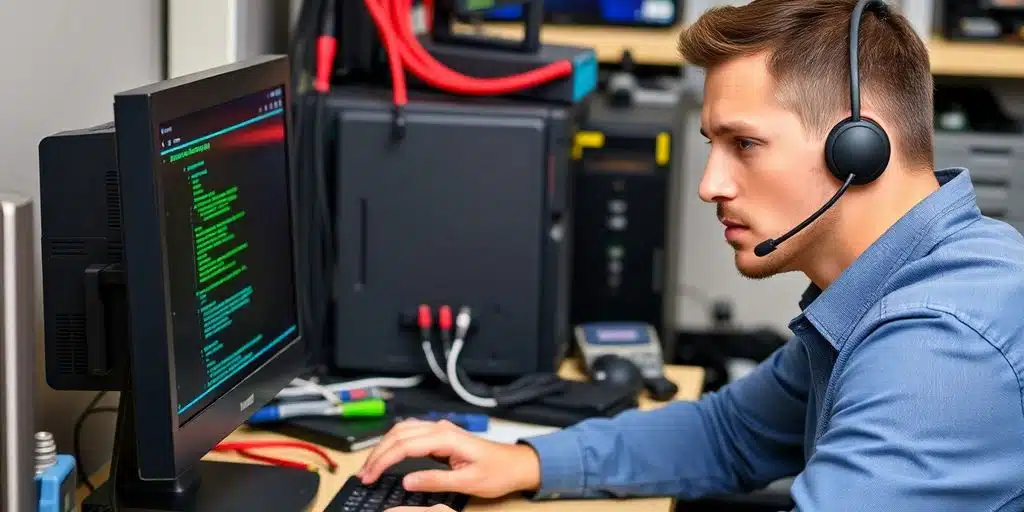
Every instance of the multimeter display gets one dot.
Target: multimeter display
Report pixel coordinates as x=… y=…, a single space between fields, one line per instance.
x=615 y=334
x=618 y=336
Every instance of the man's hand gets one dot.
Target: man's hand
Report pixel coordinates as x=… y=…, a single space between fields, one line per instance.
x=478 y=467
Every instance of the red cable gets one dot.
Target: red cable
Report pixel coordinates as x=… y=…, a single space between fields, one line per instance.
x=389 y=40
x=244 y=446
x=430 y=70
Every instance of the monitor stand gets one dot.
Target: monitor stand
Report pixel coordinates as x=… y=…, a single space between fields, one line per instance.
x=209 y=486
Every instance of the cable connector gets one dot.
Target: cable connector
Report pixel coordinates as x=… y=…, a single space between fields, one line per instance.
x=424 y=320
x=462 y=321
x=444 y=324
x=398 y=122
x=444 y=318
x=326 y=49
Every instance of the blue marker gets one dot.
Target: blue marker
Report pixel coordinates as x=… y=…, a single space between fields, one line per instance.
x=469 y=421
x=370 y=408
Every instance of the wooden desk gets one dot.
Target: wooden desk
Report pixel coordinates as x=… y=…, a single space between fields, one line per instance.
x=690 y=382
x=658 y=46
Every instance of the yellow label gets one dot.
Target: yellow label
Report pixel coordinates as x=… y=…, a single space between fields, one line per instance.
x=586 y=140
x=662 y=149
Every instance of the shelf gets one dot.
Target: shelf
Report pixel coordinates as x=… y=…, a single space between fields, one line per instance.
x=658 y=47
x=655 y=46
x=976 y=58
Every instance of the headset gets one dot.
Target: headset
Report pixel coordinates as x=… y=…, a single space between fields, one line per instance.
x=857 y=149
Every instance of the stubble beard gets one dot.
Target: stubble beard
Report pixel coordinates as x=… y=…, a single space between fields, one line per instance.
x=789 y=256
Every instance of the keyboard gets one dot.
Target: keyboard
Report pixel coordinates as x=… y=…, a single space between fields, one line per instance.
x=387 y=492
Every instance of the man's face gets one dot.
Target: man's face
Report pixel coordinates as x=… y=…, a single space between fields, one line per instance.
x=764 y=172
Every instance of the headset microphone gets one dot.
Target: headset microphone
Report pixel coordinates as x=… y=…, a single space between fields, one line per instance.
x=766 y=247
x=857 y=149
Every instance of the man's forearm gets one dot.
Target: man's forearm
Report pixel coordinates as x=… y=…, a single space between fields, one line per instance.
x=744 y=436
x=665 y=452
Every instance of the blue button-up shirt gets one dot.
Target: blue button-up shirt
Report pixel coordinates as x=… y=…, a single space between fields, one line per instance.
x=899 y=390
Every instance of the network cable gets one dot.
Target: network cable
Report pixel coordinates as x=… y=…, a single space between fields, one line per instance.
x=462 y=321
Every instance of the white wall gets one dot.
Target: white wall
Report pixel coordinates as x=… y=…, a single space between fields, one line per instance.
x=227 y=31
x=63 y=60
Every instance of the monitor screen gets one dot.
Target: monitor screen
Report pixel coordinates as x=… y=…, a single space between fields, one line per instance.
x=611 y=12
x=226 y=206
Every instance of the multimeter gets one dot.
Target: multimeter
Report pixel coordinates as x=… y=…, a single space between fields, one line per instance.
x=634 y=341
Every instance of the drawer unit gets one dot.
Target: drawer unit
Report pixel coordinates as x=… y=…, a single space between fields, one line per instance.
x=996 y=162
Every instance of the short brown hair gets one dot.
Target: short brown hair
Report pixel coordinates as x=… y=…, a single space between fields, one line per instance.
x=807 y=42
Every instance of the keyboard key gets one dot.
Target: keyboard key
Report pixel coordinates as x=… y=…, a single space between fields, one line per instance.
x=387 y=492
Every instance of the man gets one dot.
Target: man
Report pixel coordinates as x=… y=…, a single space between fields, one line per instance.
x=901 y=387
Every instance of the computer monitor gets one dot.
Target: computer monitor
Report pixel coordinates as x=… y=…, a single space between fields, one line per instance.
x=17 y=354
x=203 y=300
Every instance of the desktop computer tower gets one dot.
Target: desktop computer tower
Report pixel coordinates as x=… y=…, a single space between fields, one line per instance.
x=625 y=243
x=470 y=208
x=80 y=217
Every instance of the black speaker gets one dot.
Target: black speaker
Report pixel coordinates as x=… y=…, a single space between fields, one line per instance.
x=625 y=198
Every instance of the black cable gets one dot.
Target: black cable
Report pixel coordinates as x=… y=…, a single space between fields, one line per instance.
x=79 y=423
x=314 y=230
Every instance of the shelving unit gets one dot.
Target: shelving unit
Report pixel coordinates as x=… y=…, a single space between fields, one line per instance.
x=658 y=47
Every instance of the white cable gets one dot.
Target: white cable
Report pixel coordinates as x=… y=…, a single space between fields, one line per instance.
x=373 y=382
x=461 y=328
x=453 y=379
x=313 y=386
x=435 y=367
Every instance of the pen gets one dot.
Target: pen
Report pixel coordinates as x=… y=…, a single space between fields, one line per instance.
x=345 y=395
x=371 y=408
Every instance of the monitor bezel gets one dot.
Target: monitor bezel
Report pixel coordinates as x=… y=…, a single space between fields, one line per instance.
x=165 y=449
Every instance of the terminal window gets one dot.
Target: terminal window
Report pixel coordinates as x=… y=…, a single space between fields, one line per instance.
x=225 y=188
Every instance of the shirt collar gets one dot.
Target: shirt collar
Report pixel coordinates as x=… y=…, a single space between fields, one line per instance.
x=837 y=309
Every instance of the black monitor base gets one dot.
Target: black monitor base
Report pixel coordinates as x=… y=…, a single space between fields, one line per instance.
x=201 y=486
x=223 y=487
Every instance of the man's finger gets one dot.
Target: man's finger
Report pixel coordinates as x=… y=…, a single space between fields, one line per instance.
x=437 y=480
x=400 y=431
x=436 y=444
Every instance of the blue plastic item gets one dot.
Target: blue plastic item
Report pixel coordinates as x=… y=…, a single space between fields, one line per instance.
x=56 y=486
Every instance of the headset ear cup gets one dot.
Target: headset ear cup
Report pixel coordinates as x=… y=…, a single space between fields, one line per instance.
x=857 y=147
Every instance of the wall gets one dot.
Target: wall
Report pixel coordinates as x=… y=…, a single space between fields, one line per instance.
x=62 y=81
x=227 y=31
